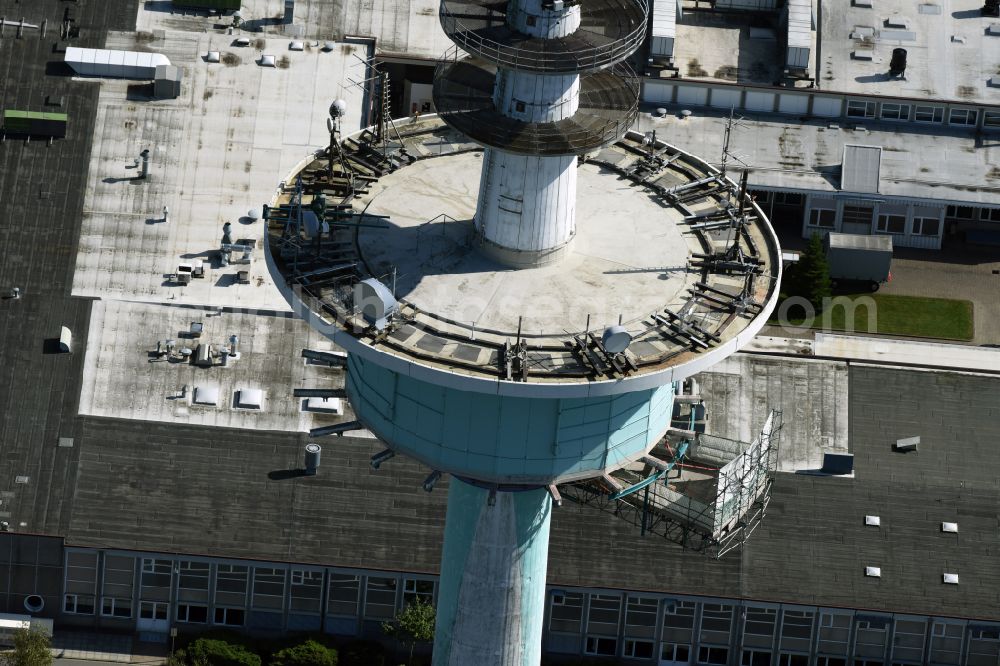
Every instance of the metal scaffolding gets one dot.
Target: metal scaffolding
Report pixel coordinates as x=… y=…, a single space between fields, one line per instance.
x=710 y=501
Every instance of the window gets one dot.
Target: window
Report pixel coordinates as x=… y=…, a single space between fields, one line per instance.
x=640 y=614
x=81 y=604
x=991 y=119
x=822 y=217
x=268 y=587
x=150 y=610
x=946 y=643
x=785 y=659
x=718 y=619
x=306 y=590
x=231 y=617
x=928 y=114
x=713 y=655
x=414 y=589
x=156 y=573
x=891 y=224
x=638 y=649
x=926 y=226
x=605 y=610
x=788 y=199
x=796 y=624
x=193 y=575
x=675 y=652
x=760 y=621
x=344 y=592
x=960 y=212
x=112 y=607
x=566 y=612
x=193 y=613
x=600 y=645
x=834 y=633
x=679 y=615
x=756 y=658
x=990 y=214
x=831 y=661
x=380 y=598
x=231 y=578
x=858 y=215
x=81 y=574
x=860 y=109
x=963 y=117
x=893 y=111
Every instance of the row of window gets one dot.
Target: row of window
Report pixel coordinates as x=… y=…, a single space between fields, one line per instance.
x=868 y=109
x=969 y=213
x=236 y=586
x=703 y=633
x=826 y=218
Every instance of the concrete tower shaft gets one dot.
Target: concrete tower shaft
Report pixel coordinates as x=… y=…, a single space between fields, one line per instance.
x=526 y=212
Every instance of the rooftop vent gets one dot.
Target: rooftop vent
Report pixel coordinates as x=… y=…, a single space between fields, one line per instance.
x=324 y=405
x=950 y=578
x=313 y=452
x=897 y=21
x=838 y=463
x=949 y=527
x=873 y=521
x=873 y=572
x=249 y=398
x=206 y=395
x=907 y=444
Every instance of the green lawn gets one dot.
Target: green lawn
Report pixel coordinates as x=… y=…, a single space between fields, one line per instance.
x=942 y=318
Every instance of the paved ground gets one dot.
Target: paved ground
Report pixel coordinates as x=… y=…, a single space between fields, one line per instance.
x=959 y=271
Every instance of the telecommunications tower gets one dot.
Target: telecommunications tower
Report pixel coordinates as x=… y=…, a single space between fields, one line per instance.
x=533 y=336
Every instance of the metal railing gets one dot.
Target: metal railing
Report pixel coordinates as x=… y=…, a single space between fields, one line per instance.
x=609 y=105
x=574 y=53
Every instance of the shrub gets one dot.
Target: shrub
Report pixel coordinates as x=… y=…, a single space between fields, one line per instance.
x=220 y=653
x=31 y=648
x=309 y=653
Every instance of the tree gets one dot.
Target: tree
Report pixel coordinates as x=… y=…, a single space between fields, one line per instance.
x=31 y=648
x=309 y=653
x=414 y=624
x=810 y=276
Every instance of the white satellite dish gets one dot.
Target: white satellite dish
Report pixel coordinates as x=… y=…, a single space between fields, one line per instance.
x=616 y=339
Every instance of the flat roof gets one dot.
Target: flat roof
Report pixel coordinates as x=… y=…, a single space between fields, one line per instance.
x=124 y=376
x=949 y=55
x=937 y=164
x=208 y=167
x=729 y=47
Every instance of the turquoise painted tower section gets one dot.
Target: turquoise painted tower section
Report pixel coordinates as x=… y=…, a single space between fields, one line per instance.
x=506 y=439
x=491 y=600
